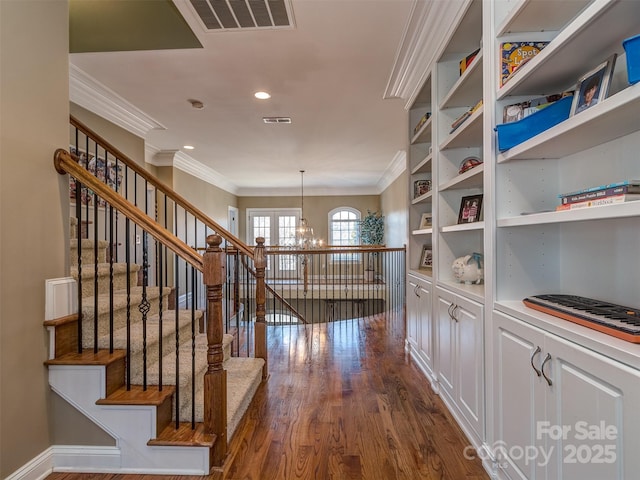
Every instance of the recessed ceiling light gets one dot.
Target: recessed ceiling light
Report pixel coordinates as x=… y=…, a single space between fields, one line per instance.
x=188 y=147
x=262 y=95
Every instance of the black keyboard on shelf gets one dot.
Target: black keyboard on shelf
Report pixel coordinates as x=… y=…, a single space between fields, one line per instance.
x=617 y=320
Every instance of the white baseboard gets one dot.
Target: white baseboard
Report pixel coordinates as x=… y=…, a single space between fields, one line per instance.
x=86 y=459
x=36 y=469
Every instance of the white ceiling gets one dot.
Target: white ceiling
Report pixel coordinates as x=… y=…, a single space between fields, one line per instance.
x=328 y=73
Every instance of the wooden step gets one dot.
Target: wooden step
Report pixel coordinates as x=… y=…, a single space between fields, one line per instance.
x=65 y=334
x=114 y=364
x=152 y=395
x=184 y=436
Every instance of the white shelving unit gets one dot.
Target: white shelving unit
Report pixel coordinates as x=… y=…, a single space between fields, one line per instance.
x=455 y=94
x=484 y=361
x=421 y=168
x=579 y=252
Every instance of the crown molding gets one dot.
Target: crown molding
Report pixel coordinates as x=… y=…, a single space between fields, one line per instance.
x=87 y=92
x=308 y=192
x=397 y=166
x=182 y=161
x=425 y=29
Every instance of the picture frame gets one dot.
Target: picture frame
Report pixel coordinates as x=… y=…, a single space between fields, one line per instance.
x=426 y=258
x=593 y=86
x=470 y=209
x=420 y=187
x=108 y=172
x=425 y=221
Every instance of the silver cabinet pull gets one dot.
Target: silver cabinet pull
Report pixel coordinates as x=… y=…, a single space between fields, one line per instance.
x=453 y=312
x=546 y=359
x=533 y=355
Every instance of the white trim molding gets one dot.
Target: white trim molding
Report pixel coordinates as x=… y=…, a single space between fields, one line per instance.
x=87 y=92
x=397 y=166
x=425 y=29
x=182 y=161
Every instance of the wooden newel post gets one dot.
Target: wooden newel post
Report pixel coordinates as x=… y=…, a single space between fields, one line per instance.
x=215 y=379
x=260 y=263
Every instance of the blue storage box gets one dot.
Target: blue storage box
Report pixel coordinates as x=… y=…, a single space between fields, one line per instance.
x=514 y=133
x=632 y=49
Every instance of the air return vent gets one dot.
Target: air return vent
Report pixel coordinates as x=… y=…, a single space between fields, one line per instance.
x=220 y=15
x=276 y=119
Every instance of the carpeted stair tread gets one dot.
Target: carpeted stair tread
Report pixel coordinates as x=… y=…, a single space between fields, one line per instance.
x=244 y=375
x=136 y=330
x=185 y=356
x=120 y=299
x=104 y=269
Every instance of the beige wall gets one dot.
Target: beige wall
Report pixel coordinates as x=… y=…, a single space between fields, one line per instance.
x=129 y=144
x=34 y=110
x=394 y=201
x=316 y=209
x=211 y=200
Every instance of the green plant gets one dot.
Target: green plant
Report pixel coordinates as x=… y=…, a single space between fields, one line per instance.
x=372 y=229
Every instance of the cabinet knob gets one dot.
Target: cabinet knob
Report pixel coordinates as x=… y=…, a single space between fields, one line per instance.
x=546 y=359
x=533 y=355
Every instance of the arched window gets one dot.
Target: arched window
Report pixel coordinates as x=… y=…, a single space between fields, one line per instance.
x=344 y=226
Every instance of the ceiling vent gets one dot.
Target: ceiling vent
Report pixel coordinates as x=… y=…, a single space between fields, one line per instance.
x=219 y=15
x=276 y=119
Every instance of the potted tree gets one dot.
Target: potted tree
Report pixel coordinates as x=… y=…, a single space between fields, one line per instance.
x=371 y=233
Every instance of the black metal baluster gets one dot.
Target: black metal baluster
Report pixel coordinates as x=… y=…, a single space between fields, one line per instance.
x=95 y=260
x=128 y=320
x=177 y=303
x=111 y=254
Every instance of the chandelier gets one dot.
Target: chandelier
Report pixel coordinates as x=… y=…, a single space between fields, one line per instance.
x=304 y=232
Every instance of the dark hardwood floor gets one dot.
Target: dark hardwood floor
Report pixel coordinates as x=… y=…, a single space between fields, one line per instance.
x=343 y=401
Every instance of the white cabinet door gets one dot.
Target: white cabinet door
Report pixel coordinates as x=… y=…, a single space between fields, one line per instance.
x=594 y=400
x=469 y=394
x=446 y=344
x=425 y=328
x=412 y=314
x=561 y=411
x=420 y=330
x=519 y=396
x=460 y=361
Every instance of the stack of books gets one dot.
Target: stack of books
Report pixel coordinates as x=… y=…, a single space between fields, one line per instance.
x=620 y=192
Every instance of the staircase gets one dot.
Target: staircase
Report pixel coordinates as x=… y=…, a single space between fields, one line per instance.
x=157 y=428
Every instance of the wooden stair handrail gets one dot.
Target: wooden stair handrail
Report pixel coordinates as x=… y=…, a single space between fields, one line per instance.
x=169 y=192
x=274 y=293
x=64 y=163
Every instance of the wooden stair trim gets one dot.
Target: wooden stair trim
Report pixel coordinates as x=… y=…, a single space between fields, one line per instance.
x=56 y=322
x=184 y=436
x=88 y=357
x=138 y=396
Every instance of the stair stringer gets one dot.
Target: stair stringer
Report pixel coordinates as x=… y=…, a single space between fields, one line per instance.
x=131 y=426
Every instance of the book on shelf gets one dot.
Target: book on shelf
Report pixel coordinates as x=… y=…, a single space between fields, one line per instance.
x=466 y=61
x=421 y=122
x=633 y=186
x=602 y=193
x=515 y=54
x=463 y=118
x=610 y=200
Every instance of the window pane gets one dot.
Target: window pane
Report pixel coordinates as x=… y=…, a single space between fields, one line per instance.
x=344 y=230
x=286 y=229
x=262 y=228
